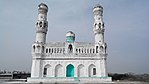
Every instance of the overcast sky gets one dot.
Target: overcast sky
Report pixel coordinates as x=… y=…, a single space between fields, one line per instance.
x=126 y=24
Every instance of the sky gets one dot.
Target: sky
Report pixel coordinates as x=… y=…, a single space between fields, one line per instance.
x=126 y=30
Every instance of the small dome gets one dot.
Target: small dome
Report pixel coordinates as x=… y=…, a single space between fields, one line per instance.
x=43 y=6
x=98 y=6
x=70 y=33
x=98 y=10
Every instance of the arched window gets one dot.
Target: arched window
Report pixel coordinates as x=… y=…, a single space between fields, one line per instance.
x=45 y=72
x=94 y=71
x=42 y=48
x=96 y=49
x=93 y=50
x=34 y=48
x=76 y=50
x=101 y=48
x=38 y=47
x=79 y=50
x=52 y=50
x=47 y=50
x=70 y=48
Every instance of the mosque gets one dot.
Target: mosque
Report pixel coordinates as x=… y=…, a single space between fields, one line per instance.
x=69 y=61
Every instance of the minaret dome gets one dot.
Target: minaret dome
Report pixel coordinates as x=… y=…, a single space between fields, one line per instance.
x=98 y=10
x=43 y=6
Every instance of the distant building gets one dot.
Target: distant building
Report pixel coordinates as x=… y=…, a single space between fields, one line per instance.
x=69 y=61
x=11 y=76
x=6 y=76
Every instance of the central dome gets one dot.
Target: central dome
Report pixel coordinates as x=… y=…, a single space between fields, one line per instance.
x=70 y=37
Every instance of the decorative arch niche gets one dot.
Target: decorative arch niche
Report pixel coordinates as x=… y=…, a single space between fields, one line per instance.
x=81 y=70
x=59 y=70
x=92 y=70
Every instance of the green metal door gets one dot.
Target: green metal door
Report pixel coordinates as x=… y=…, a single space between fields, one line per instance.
x=70 y=71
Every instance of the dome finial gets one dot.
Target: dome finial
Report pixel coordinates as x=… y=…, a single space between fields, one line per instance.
x=43 y=6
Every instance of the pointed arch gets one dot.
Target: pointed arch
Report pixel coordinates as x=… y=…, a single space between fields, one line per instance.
x=81 y=70
x=92 y=70
x=70 y=70
x=47 y=71
x=38 y=48
x=101 y=48
x=59 y=70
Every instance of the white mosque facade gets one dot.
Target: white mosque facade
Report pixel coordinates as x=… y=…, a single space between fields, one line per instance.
x=69 y=61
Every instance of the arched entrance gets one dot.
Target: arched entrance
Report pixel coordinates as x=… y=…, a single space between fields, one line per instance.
x=70 y=71
x=47 y=70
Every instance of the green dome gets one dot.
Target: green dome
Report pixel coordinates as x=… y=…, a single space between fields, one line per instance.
x=70 y=37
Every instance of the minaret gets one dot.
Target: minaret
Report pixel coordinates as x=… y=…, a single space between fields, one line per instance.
x=38 y=46
x=100 y=45
x=98 y=26
x=42 y=23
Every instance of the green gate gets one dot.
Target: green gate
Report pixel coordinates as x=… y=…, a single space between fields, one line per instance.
x=70 y=71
